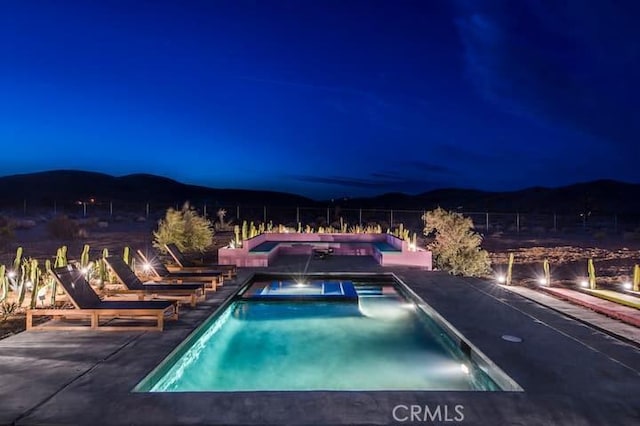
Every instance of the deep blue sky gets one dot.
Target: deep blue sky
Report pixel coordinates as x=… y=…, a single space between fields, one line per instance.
x=324 y=98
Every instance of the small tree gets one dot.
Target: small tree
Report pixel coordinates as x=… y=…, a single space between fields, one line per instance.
x=185 y=228
x=456 y=246
x=222 y=225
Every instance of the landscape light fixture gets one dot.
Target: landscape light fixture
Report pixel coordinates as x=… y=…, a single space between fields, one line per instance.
x=584 y=283
x=501 y=279
x=542 y=281
x=11 y=274
x=627 y=285
x=146 y=267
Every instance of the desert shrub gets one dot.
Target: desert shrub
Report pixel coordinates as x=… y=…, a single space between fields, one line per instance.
x=63 y=228
x=7 y=309
x=184 y=228
x=456 y=246
x=6 y=231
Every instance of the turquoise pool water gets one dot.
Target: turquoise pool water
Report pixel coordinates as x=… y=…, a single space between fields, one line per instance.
x=382 y=341
x=267 y=246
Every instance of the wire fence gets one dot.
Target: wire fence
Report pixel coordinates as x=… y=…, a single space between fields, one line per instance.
x=485 y=222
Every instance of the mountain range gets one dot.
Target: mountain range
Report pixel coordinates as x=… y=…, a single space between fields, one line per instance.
x=64 y=186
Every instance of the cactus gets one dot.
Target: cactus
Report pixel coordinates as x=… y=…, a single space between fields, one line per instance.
x=4 y=284
x=547 y=273
x=236 y=231
x=61 y=257
x=592 y=275
x=103 y=271
x=414 y=241
x=49 y=280
x=126 y=255
x=84 y=257
x=245 y=233
x=34 y=277
x=299 y=227
x=18 y=260
x=307 y=229
x=270 y=226
x=22 y=282
x=507 y=280
x=636 y=278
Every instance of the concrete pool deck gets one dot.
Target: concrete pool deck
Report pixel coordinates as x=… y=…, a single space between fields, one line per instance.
x=571 y=373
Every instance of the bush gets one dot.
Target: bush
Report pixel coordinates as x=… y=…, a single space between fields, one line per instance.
x=6 y=231
x=184 y=228
x=456 y=246
x=63 y=228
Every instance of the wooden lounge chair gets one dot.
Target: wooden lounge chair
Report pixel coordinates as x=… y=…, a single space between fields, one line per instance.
x=87 y=304
x=190 y=292
x=160 y=272
x=185 y=264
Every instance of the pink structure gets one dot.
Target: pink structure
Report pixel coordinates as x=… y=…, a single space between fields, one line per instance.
x=385 y=248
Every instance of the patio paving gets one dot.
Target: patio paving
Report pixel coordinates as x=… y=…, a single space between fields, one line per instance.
x=570 y=373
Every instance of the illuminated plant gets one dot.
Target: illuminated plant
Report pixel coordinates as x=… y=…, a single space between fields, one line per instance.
x=236 y=231
x=456 y=246
x=547 y=273
x=592 y=275
x=509 y=269
x=636 y=278
x=61 y=257
x=245 y=231
x=185 y=228
x=4 y=284
x=84 y=257
x=34 y=276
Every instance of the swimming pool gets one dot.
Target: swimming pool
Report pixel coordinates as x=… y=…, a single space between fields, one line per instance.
x=384 y=339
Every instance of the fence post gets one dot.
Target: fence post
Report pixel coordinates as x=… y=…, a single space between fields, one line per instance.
x=486 y=221
x=84 y=209
x=204 y=213
x=360 y=216
x=110 y=208
x=518 y=222
x=237 y=212
x=391 y=219
x=55 y=208
x=147 y=209
x=555 y=222
x=264 y=214
x=297 y=215
x=24 y=207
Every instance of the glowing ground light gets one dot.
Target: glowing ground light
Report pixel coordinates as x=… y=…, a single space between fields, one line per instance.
x=84 y=270
x=584 y=283
x=627 y=285
x=464 y=368
x=146 y=267
x=11 y=274
x=542 y=281
x=501 y=279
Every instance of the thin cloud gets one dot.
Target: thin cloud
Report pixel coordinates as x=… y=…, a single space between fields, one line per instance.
x=557 y=63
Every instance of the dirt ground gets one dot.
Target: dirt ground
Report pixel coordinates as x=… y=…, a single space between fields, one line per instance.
x=567 y=254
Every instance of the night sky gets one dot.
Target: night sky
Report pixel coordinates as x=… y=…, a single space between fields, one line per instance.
x=324 y=98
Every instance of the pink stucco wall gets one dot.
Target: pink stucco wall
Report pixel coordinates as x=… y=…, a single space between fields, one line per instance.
x=243 y=257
